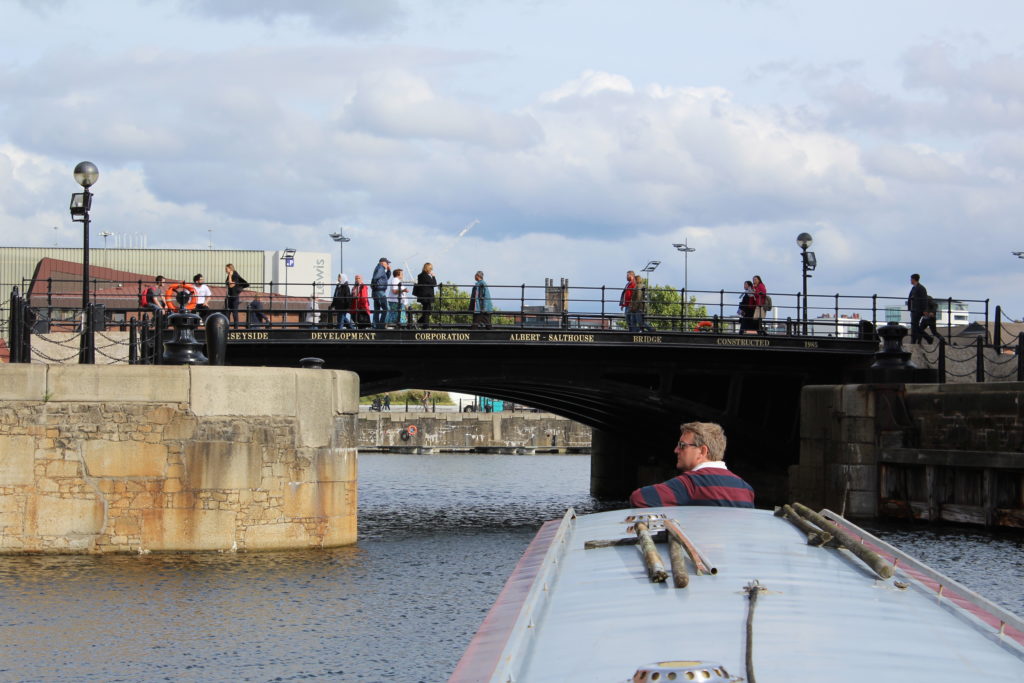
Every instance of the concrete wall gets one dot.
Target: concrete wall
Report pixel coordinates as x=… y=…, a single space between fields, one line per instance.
x=175 y=458
x=462 y=430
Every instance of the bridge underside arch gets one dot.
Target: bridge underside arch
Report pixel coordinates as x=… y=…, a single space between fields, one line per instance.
x=634 y=397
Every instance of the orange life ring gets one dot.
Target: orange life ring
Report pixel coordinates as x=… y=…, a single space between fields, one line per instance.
x=412 y=430
x=704 y=326
x=172 y=301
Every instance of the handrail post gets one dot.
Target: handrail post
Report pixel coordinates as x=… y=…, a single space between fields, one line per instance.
x=721 y=303
x=799 y=315
x=874 y=310
x=605 y=324
x=1020 y=354
x=942 y=361
x=522 y=305
x=949 y=318
x=997 y=336
x=986 y=314
x=837 y=314
x=682 y=309
x=133 y=340
x=980 y=358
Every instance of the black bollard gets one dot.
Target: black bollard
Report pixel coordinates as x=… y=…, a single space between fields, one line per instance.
x=183 y=349
x=892 y=364
x=217 y=338
x=312 y=363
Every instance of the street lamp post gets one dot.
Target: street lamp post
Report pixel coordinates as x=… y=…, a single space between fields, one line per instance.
x=687 y=250
x=340 y=238
x=86 y=174
x=105 y=234
x=810 y=262
x=289 y=260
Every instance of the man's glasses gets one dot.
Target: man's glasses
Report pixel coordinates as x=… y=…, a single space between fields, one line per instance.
x=683 y=444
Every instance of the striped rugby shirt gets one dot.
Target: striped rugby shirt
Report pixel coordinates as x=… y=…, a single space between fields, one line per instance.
x=710 y=483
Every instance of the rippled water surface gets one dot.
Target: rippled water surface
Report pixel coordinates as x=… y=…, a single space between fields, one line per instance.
x=438 y=536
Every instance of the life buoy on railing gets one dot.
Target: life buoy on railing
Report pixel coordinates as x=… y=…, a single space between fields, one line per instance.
x=171 y=298
x=412 y=430
x=404 y=435
x=704 y=326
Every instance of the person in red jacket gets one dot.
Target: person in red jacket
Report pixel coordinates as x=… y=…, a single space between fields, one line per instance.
x=705 y=480
x=361 y=303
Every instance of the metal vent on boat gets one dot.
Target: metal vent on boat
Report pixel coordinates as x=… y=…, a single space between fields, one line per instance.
x=704 y=672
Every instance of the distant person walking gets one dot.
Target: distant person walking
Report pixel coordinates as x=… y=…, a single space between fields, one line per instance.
x=235 y=283
x=626 y=298
x=917 y=304
x=424 y=292
x=361 y=303
x=480 y=302
x=203 y=294
x=760 y=298
x=379 y=287
x=341 y=304
x=746 y=309
x=637 y=311
x=395 y=294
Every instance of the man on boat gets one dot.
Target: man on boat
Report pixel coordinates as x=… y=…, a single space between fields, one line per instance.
x=705 y=480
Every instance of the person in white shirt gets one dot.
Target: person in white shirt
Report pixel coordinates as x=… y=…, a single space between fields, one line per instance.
x=396 y=292
x=313 y=316
x=203 y=293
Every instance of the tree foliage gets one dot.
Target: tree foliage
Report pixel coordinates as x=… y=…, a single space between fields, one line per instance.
x=665 y=309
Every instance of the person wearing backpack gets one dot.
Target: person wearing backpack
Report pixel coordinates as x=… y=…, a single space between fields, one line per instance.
x=153 y=298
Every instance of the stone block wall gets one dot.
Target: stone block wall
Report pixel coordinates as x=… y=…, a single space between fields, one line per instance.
x=466 y=430
x=981 y=417
x=838 y=450
x=100 y=459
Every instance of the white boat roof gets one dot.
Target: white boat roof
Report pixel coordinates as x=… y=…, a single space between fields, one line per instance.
x=575 y=614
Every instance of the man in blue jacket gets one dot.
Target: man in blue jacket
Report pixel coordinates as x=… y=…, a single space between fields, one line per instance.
x=379 y=289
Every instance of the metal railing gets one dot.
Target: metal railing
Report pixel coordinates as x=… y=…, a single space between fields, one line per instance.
x=49 y=306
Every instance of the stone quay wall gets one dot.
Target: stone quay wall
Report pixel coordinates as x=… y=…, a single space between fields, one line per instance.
x=137 y=458
x=469 y=430
x=847 y=433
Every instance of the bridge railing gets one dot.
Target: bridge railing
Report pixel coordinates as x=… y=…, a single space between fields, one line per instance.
x=56 y=307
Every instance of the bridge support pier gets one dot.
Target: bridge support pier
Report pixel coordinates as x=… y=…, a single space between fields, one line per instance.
x=620 y=463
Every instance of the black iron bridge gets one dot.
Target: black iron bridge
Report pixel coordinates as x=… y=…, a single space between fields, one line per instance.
x=634 y=389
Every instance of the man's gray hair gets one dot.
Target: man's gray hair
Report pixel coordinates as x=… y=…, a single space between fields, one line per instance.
x=707 y=434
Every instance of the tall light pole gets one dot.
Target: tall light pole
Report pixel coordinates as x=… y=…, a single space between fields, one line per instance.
x=340 y=238
x=687 y=250
x=804 y=240
x=86 y=174
x=105 y=234
x=289 y=260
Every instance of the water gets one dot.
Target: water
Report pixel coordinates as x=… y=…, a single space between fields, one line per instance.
x=439 y=535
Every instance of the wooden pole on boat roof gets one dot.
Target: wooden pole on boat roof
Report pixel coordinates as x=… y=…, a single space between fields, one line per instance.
x=680 y=577
x=652 y=560
x=815 y=536
x=867 y=556
x=700 y=564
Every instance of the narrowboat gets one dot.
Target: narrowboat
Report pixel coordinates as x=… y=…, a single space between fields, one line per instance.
x=729 y=594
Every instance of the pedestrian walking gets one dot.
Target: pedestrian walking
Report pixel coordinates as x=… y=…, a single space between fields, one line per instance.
x=480 y=302
x=626 y=298
x=379 y=288
x=917 y=304
x=424 y=292
x=235 y=283
x=361 y=303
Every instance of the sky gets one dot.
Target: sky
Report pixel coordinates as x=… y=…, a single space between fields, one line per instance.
x=575 y=138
